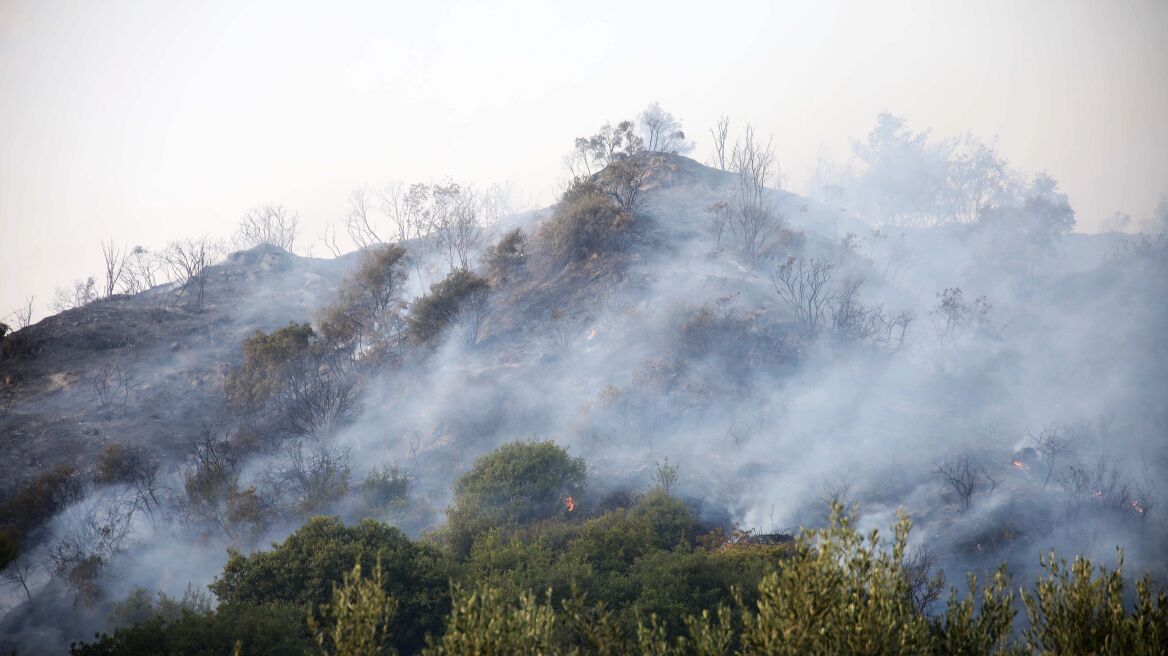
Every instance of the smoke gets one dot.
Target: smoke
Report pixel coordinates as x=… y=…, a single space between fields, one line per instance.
x=1016 y=335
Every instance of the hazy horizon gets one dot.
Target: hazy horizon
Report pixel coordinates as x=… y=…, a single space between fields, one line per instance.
x=146 y=123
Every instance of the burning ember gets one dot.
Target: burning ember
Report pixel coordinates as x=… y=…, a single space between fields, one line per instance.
x=1018 y=464
x=1135 y=504
x=591 y=334
x=1098 y=494
x=569 y=503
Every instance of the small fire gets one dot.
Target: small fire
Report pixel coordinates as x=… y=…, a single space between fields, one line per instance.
x=1098 y=494
x=1135 y=504
x=591 y=334
x=1018 y=464
x=569 y=503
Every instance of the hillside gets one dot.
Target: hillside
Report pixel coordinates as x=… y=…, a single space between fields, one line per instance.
x=1008 y=400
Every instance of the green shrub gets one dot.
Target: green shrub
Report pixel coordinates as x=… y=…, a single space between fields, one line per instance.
x=385 y=490
x=271 y=629
x=485 y=622
x=459 y=293
x=518 y=483
x=358 y=619
x=270 y=360
x=507 y=260
x=303 y=569
x=587 y=222
x=366 y=316
x=1073 y=611
x=124 y=463
x=9 y=548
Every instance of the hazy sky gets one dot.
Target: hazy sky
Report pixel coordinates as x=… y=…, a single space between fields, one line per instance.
x=150 y=121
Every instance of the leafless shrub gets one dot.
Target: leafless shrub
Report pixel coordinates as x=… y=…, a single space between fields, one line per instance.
x=313 y=474
x=804 y=286
x=459 y=215
x=210 y=477
x=1051 y=445
x=925 y=586
x=329 y=239
x=853 y=320
x=836 y=491
x=19 y=573
x=320 y=405
x=746 y=215
x=141 y=271
x=661 y=132
x=95 y=532
x=1102 y=485
x=963 y=478
x=82 y=293
x=114 y=260
x=408 y=211
x=954 y=316
x=187 y=261
x=22 y=316
x=563 y=330
x=719 y=133
x=113 y=383
x=132 y=466
x=269 y=225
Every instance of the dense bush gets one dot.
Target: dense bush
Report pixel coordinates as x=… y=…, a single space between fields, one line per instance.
x=461 y=294
x=38 y=501
x=518 y=483
x=587 y=222
x=507 y=260
x=9 y=548
x=270 y=360
x=270 y=629
x=385 y=490
x=366 y=320
x=302 y=570
x=636 y=579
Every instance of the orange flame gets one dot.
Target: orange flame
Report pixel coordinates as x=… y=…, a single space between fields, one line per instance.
x=1137 y=507
x=569 y=503
x=1018 y=463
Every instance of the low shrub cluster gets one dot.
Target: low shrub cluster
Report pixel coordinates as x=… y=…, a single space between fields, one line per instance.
x=544 y=575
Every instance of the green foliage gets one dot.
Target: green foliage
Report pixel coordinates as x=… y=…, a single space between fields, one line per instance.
x=587 y=222
x=139 y=606
x=518 y=483
x=385 y=490
x=632 y=580
x=367 y=312
x=357 y=621
x=272 y=629
x=9 y=548
x=270 y=360
x=123 y=463
x=665 y=475
x=1073 y=611
x=303 y=569
x=507 y=260
x=843 y=593
x=638 y=561
x=459 y=292
x=977 y=626
x=485 y=622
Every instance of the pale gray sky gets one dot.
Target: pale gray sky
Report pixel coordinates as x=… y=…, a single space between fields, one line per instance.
x=147 y=121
